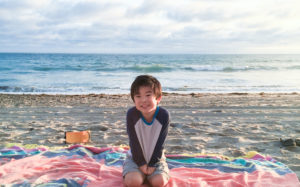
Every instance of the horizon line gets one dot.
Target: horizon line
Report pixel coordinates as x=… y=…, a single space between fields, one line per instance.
x=145 y=53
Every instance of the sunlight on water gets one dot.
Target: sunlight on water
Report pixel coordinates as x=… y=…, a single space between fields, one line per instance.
x=100 y=73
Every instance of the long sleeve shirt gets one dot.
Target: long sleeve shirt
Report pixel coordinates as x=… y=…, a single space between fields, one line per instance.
x=147 y=140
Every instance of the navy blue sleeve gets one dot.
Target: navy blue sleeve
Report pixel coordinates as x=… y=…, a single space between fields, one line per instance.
x=135 y=147
x=164 y=118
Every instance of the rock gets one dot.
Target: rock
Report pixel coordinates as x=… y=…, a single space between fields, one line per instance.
x=238 y=153
x=288 y=142
x=98 y=128
x=176 y=125
x=297 y=141
x=217 y=111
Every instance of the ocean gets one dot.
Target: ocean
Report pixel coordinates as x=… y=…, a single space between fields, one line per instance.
x=113 y=73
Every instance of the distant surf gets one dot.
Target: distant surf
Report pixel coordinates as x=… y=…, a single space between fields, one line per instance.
x=113 y=73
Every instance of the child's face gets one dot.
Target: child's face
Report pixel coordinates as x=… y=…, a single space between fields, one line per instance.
x=146 y=101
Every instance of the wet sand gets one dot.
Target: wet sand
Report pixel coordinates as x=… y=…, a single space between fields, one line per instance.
x=229 y=124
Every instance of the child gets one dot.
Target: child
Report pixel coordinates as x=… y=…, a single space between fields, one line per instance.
x=147 y=128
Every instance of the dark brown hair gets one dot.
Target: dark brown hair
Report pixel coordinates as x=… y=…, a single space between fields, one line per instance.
x=145 y=80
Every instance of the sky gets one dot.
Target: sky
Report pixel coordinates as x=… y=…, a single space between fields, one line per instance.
x=150 y=26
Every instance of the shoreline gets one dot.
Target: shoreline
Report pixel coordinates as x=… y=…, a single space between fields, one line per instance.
x=224 y=123
x=164 y=93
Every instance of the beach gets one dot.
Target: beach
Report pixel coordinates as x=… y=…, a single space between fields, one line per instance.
x=231 y=124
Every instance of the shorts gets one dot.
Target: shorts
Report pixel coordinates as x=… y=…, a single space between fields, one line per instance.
x=161 y=167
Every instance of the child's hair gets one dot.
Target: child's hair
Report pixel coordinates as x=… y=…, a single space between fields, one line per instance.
x=145 y=80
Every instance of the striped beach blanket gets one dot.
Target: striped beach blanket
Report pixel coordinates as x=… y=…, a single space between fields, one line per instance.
x=80 y=165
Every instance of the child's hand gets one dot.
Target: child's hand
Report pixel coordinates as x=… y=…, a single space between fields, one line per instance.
x=143 y=168
x=150 y=170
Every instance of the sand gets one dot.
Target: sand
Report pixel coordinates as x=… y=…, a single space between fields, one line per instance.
x=229 y=124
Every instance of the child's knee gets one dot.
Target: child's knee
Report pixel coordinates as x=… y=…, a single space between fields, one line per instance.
x=158 y=180
x=133 y=179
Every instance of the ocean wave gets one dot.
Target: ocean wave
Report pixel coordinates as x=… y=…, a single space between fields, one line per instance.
x=108 y=68
x=62 y=68
x=5 y=69
x=61 y=73
x=106 y=88
x=293 y=67
x=119 y=90
x=51 y=90
x=226 y=68
x=7 y=80
x=178 y=67
x=17 y=89
x=159 y=68
x=148 y=68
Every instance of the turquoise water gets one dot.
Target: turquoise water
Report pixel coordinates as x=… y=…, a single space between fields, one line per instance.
x=112 y=73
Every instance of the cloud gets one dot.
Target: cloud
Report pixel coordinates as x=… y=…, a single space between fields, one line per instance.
x=150 y=26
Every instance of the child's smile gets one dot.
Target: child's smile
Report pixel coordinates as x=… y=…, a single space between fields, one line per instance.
x=146 y=102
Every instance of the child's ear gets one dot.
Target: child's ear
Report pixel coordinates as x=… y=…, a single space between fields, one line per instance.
x=158 y=99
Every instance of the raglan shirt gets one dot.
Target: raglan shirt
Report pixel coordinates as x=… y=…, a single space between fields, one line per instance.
x=147 y=140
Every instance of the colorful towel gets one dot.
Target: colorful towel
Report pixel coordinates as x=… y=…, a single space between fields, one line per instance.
x=91 y=166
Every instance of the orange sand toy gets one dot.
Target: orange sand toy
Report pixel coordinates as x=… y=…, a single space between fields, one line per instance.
x=78 y=137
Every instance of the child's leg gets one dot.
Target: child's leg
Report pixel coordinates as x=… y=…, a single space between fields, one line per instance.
x=160 y=177
x=158 y=180
x=132 y=179
x=132 y=176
